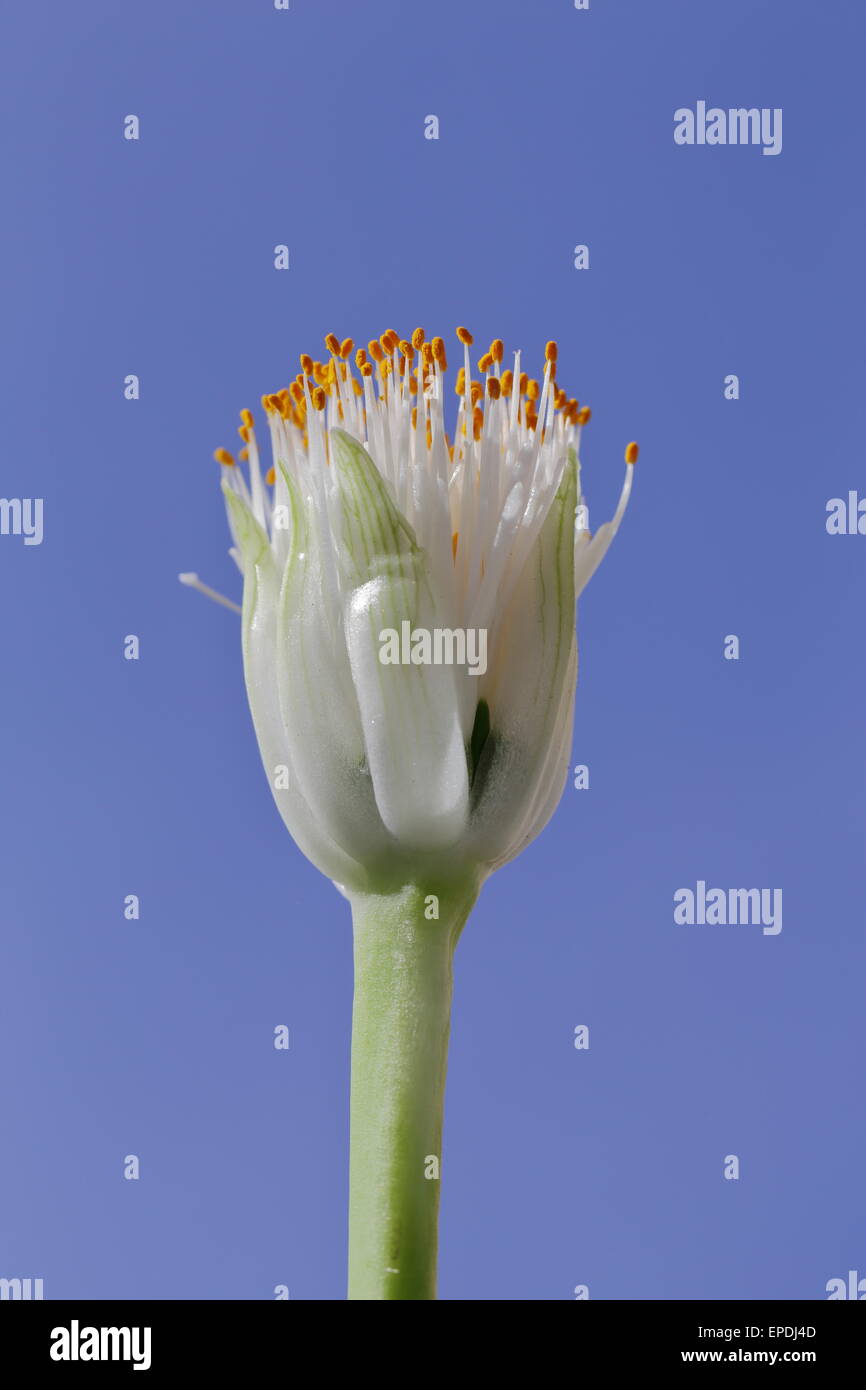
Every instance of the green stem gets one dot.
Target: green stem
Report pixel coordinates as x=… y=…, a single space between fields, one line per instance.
x=400 y=1025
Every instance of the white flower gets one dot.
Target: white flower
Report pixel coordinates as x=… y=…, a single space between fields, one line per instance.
x=370 y=519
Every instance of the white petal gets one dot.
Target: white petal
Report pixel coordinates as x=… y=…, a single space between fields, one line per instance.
x=552 y=782
x=259 y=625
x=318 y=704
x=534 y=673
x=409 y=713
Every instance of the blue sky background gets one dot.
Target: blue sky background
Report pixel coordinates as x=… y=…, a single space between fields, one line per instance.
x=155 y=1037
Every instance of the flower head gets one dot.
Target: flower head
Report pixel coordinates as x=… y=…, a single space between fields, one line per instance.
x=377 y=541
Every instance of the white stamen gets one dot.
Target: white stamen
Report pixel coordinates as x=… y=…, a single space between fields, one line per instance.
x=192 y=581
x=476 y=510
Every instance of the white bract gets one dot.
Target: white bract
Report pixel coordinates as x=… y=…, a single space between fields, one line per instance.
x=371 y=519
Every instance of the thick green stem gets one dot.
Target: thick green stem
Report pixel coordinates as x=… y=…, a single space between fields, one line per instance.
x=400 y=1025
